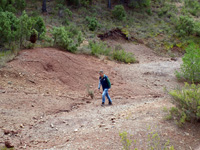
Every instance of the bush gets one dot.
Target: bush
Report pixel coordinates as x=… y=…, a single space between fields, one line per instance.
x=12 y=5
x=197 y=28
x=13 y=29
x=153 y=142
x=9 y=27
x=139 y=3
x=193 y=7
x=39 y=25
x=185 y=26
x=190 y=69
x=167 y=9
x=187 y=101
x=25 y=28
x=121 y=55
x=78 y=3
x=99 y=48
x=67 y=38
x=119 y=12
x=125 y=140
x=92 y=23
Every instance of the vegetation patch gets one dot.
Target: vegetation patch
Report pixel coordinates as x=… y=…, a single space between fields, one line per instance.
x=122 y=56
x=68 y=38
x=187 y=101
x=99 y=48
x=154 y=141
x=190 y=69
x=119 y=12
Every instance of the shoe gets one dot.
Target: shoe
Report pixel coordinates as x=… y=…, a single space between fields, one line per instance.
x=110 y=103
x=102 y=104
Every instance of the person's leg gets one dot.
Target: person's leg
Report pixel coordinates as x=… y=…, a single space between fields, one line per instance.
x=103 y=96
x=107 y=95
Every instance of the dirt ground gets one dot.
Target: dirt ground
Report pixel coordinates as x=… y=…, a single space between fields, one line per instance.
x=44 y=103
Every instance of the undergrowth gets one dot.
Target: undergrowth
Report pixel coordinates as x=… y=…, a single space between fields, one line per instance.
x=187 y=102
x=122 y=56
x=154 y=141
x=190 y=68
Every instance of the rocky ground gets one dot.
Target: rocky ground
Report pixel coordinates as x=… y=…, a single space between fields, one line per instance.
x=44 y=101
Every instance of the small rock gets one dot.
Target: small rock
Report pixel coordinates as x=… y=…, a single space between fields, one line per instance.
x=6 y=132
x=187 y=134
x=102 y=125
x=174 y=59
x=52 y=126
x=9 y=82
x=21 y=126
x=8 y=144
x=75 y=130
x=2 y=91
x=113 y=118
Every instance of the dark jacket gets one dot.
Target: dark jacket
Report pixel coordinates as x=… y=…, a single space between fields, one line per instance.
x=105 y=82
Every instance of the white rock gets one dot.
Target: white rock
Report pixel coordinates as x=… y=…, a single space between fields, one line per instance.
x=52 y=126
x=75 y=130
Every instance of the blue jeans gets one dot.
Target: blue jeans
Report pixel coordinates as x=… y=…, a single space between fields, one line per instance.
x=105 y=94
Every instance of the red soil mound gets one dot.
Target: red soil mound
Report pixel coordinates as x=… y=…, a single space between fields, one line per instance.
x=51 y=66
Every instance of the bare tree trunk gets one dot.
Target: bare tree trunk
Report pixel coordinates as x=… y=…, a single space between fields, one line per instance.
x=44 y=8
x=109 y=4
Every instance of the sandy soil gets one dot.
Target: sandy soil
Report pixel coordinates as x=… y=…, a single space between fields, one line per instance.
x=44 y=103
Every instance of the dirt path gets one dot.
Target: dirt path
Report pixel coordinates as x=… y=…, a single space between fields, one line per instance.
x=44 y=102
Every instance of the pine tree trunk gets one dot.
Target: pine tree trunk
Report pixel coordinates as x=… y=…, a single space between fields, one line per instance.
x=109 y=4
x=44 y=8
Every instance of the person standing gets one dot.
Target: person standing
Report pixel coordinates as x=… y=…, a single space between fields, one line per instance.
x=106 y=85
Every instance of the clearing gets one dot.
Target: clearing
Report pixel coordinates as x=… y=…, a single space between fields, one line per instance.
x=44 y=102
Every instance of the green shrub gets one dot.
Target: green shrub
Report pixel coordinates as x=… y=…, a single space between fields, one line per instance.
x=190 y=69
x=86 y=3
x=78 y=3
x=125 y=140
x=185 y=26
x=39 y=25
x=25 y=28
x=20 y=5
x=99 y=48
x=139 y=4
x=67 y=38
x=12 y=5
x=92 y=23
x=13 y=29
x=121 y=55
x=187 y=101
x=9 y=27
x=192 y=6
x=119 y=12
x=34 y=32
x=197 y=28
x=68 y=12
x=167 y=9
x=153 y=142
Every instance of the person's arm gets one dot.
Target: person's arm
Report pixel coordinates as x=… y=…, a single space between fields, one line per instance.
x=109 y=84
x=99 y=85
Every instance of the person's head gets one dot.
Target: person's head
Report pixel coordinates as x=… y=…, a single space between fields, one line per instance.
x=101 y=73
